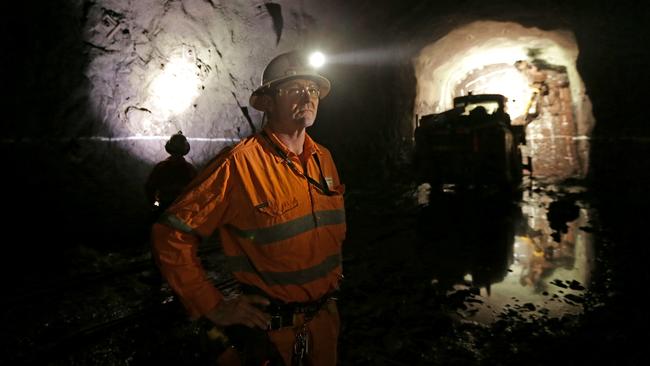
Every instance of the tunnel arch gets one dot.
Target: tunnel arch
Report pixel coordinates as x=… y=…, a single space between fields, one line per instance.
x=481 y=57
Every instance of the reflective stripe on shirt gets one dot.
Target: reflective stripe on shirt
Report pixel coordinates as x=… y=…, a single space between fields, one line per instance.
x=289 y=229
x=300 y=277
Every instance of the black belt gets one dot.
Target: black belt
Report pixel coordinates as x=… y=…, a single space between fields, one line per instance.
x=283 y=314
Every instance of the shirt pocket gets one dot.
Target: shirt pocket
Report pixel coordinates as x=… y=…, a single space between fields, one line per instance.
x=273 y=207
x=333 y=201
x=271 y=218
x=330 y=211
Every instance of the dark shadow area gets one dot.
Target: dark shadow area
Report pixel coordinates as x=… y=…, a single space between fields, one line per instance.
x=64 y=190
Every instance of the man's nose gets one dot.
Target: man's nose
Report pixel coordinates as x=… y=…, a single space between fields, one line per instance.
x=304 y=95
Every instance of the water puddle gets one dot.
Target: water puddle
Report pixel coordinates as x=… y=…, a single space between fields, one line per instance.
x=532 y=258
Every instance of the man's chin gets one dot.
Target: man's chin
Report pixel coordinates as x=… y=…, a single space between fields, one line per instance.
x=306 y=122
x=306 y=119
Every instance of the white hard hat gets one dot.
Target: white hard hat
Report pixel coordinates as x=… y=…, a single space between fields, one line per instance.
x=290 y=65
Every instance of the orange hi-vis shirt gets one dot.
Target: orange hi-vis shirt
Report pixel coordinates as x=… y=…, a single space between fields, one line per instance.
x=279 y=232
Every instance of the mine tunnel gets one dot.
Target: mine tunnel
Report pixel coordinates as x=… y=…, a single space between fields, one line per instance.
x=536 y=71
x=441 y=266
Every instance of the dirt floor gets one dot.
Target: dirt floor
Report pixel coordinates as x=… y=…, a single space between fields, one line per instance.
x=417 y=279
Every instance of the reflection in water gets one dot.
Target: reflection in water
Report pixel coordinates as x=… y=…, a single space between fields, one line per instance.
x=530 y=257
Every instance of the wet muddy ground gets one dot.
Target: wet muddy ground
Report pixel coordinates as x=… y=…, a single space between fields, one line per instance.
x=464 y=279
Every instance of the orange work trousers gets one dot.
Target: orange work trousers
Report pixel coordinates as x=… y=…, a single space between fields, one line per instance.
x=323 y=337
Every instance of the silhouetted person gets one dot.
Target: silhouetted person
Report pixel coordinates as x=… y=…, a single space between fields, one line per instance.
x=166 y=182
x=170 y=176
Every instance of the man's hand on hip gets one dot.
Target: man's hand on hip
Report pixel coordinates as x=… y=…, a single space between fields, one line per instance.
x=243 y=309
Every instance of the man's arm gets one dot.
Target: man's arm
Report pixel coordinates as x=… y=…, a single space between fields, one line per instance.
x=201 y=210
x=197 y=213
x=176 y=255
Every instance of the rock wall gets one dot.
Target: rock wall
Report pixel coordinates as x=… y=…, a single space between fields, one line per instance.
x=101 y=86
x=83 y=129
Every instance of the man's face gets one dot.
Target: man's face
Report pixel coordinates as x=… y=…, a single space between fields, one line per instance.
x=296 y=103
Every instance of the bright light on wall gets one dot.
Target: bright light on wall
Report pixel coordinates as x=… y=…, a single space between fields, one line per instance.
x=492 y=52
x=175 y=89
x=515 y=86
x=508 y=82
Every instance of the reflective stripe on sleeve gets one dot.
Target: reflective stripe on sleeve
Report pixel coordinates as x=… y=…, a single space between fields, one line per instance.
x=300 y=277
x=291 y=228
x=176 y=223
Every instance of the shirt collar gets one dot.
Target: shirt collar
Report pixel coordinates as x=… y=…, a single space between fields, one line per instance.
x=310 y=146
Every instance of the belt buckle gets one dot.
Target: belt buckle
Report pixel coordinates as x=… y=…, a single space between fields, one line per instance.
x=276 y=322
